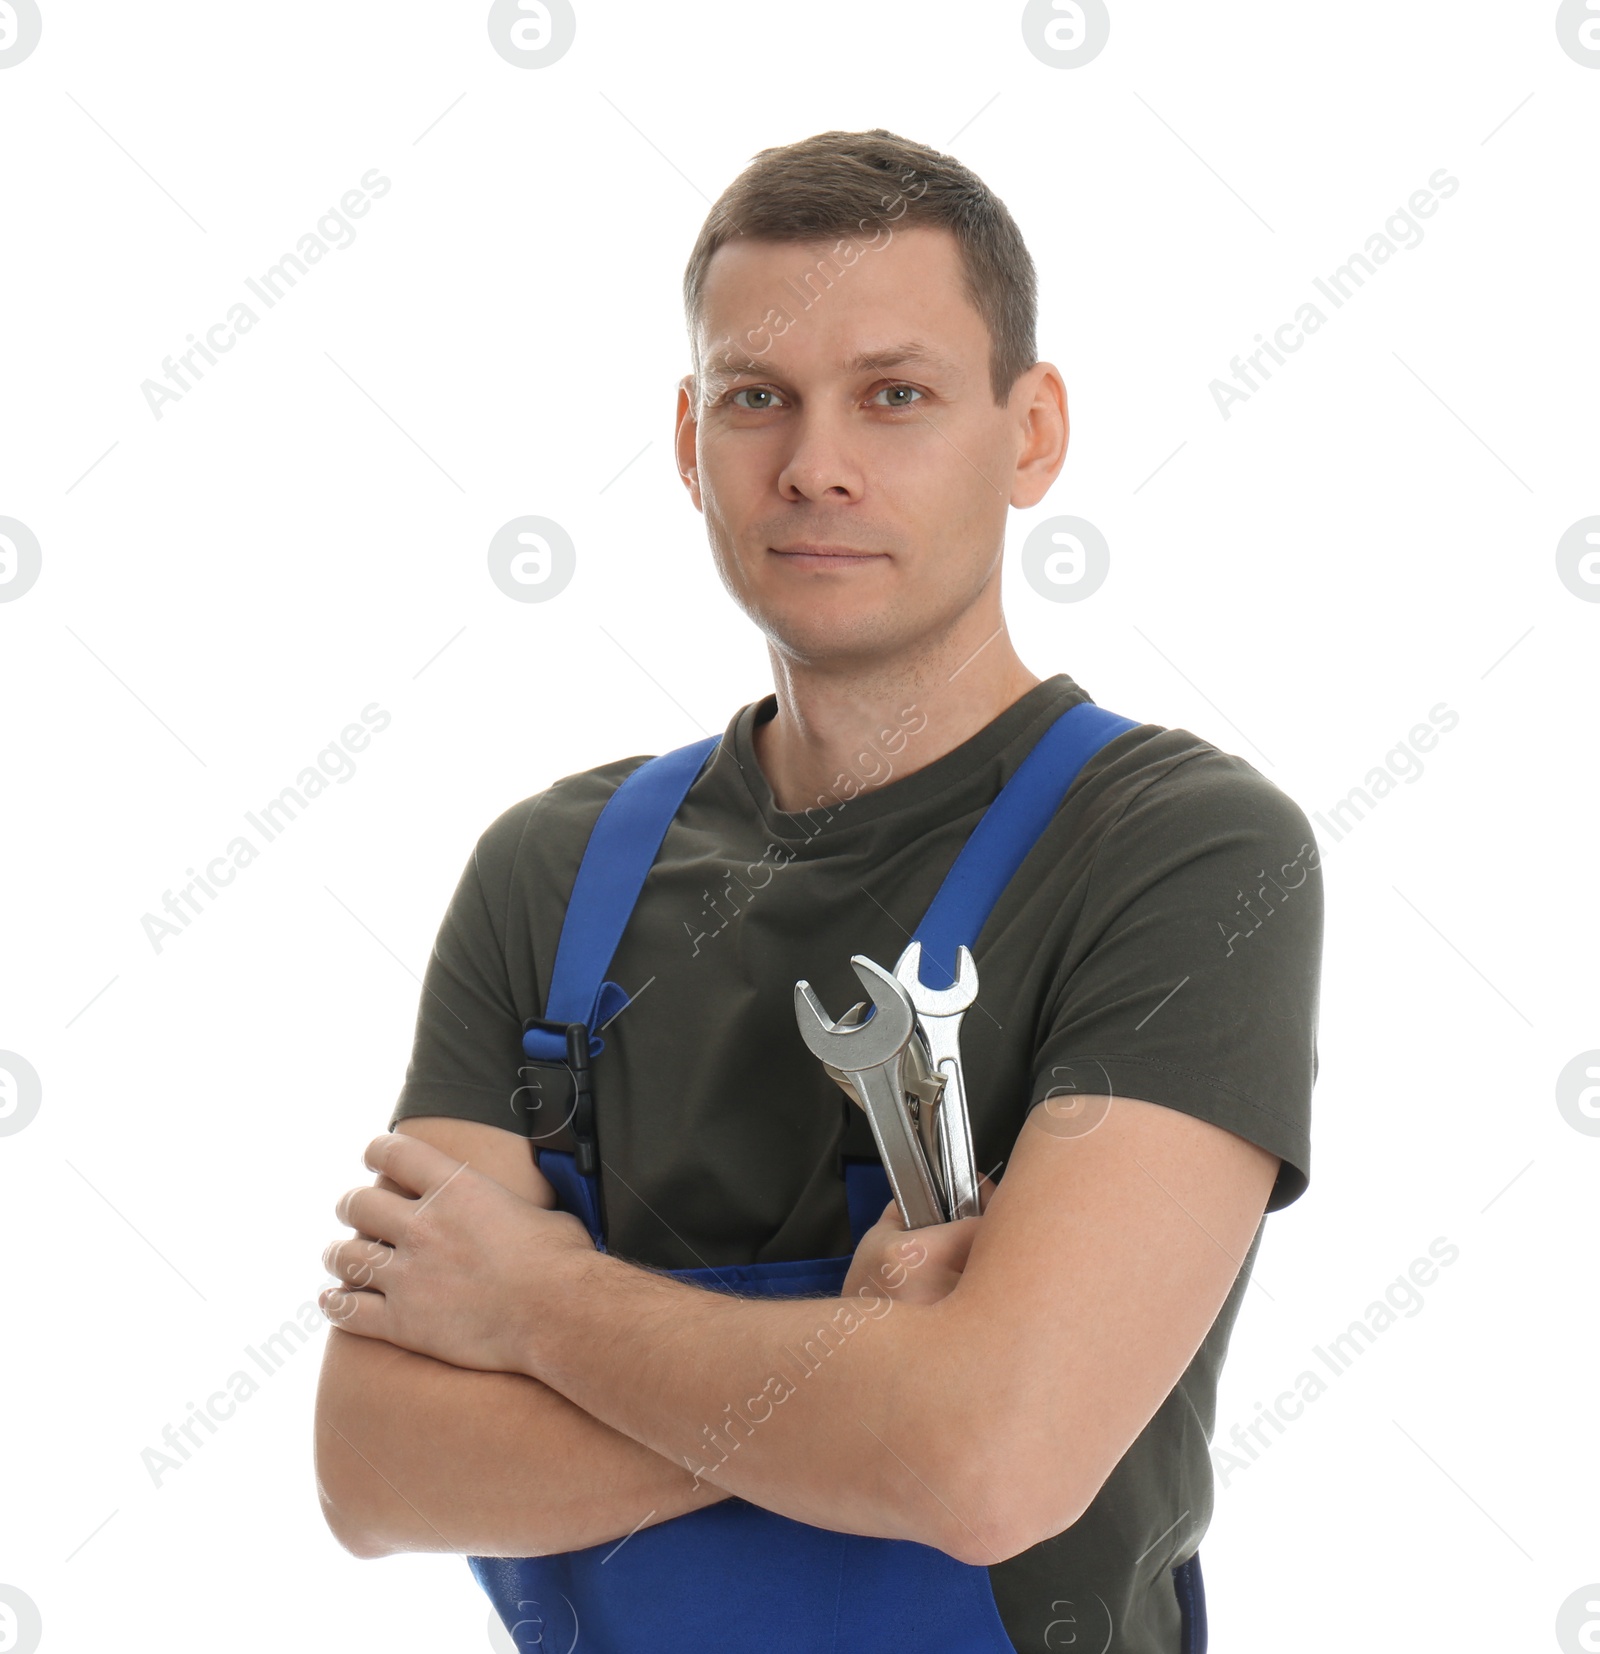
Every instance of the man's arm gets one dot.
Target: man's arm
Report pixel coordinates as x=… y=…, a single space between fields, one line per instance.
x=979 y=1424
x=1105 y=1257
x=413 y=1454
x=983 y=1423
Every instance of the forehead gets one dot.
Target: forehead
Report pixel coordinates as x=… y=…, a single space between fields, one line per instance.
x=838 y=298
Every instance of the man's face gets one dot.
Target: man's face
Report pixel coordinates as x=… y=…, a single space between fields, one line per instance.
x=865 y=421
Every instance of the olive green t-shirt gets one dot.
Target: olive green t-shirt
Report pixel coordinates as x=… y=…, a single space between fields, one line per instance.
x=1161 y=941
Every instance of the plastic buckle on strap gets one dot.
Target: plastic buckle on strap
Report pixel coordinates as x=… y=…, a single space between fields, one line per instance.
x=576 y=1034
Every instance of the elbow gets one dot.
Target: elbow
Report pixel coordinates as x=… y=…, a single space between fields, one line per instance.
x=1015 y=1475
x=1012 y=1497
x=990 y=1539
x=356 y=1539
x=998 y=1524
x=345 y=1522
x=339 y=1492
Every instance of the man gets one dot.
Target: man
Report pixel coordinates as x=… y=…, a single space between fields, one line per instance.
x=865 y=406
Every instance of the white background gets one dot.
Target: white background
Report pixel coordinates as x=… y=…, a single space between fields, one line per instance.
x=304 y=533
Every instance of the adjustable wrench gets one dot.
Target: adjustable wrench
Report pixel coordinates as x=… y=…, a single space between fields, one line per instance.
x=939 y=1012
x=869 y=1055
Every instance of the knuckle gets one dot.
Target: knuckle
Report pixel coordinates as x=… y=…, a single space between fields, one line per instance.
x=340 y=1306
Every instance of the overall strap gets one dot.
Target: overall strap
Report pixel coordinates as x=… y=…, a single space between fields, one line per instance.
x=994 y=850
x=1007 y=831
x=622 y=847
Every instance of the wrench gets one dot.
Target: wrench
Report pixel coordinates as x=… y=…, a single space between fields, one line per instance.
x=918 y=1081
x=869 y=1056
x=939 y=1012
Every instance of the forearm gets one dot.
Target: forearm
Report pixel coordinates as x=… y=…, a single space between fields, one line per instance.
x=849 y=1414
x=415 y=1455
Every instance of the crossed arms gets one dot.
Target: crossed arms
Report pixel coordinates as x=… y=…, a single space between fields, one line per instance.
x=992 y=1416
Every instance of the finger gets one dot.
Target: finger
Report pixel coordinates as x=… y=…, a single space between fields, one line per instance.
x=357 y=1261
x=378 y=1213
x=985 y=1189
x=416 y=1166
x=357 y=1312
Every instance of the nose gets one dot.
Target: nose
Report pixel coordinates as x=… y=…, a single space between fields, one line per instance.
x=821 y=464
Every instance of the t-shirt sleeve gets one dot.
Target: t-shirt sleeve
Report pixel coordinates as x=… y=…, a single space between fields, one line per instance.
x=467 y=1047
x=1199 y=986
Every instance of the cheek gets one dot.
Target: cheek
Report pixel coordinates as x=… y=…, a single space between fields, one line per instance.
x=737 y=484
x=950 y=478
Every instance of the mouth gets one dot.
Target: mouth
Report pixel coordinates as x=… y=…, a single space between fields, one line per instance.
x=806 y=554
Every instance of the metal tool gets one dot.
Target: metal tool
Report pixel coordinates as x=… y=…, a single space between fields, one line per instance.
x=870 y=1055
x=921 y=1087
x=939 y=1012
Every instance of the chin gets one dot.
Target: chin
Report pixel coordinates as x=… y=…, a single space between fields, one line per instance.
x=814 y=637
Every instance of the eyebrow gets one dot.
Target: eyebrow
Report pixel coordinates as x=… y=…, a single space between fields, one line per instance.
x=910 y=354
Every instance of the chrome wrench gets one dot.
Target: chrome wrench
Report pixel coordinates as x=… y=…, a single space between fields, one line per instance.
x=939 y=1012
x=921 y=1086
x=870 y=1056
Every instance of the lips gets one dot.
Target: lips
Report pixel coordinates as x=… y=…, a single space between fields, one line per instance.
x=809 y=549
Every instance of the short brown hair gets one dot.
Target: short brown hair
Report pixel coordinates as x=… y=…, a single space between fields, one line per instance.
x=833 y=185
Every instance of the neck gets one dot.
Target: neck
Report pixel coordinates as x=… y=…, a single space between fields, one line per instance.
x=842 y=729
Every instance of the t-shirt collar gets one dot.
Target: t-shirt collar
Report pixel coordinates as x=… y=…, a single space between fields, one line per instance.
x=980 y=765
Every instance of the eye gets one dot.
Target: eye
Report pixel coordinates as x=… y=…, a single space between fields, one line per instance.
x=891 y=389
x=752 y=390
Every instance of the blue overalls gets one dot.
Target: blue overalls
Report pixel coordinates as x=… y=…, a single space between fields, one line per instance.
x=734 y=1575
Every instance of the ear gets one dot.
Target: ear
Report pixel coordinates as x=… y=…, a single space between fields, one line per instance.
x=685 y=439
x=1039 y=402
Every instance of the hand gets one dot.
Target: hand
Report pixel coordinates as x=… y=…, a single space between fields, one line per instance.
x=446 y=1261
x=916 y=1266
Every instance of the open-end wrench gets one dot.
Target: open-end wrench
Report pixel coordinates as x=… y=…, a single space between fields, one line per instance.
x=939 y=1012
x=870 y=1055
x=922 y=1087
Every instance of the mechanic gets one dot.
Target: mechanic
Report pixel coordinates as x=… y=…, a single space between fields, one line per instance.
x=710 y=1393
